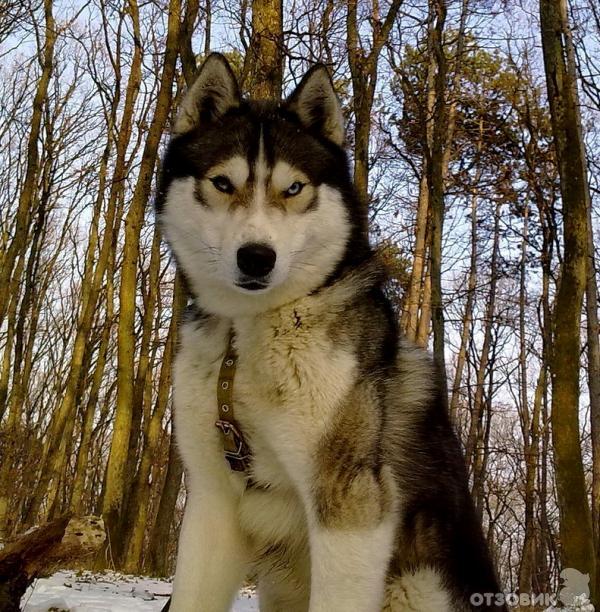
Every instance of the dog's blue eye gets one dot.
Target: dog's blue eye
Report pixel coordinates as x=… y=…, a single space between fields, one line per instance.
x=222 y=183
x=294 y=189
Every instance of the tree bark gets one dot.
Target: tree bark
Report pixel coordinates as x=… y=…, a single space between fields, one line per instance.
x=76 y=502
x=157 y=560
x=15 y=254
x=140 y=408
x=529 y=429
x=112 y=503
x=472 y=449
x=467 y=320
x=363 y=70
x=412 y=302
x=265 y=55
x=435 y=181
x=424 y=326
x=593 y=355
x=141 y=494
x=576 y=534
x=27 y=196
x=188 y=57
x=93 y=275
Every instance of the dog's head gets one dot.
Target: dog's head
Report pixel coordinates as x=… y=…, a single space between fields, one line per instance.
x=256 y=199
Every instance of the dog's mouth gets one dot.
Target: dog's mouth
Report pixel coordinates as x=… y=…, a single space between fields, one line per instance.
x=252 y=285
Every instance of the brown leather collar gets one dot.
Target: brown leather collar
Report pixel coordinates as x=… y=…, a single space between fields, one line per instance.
x=236 y=450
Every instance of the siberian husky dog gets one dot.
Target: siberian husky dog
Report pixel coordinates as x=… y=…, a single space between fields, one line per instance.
x=355 y=498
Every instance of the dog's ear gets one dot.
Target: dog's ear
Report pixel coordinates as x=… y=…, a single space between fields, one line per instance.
x=316 y=104
x=213 y=93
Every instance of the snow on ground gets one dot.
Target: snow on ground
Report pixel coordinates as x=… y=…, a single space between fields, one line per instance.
x=69 y=591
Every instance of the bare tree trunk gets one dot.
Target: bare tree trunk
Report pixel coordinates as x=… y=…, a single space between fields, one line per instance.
x=546 y=544
x=27 y=196
x=207 y=27
x=15 y=254
x=188 y=57
x=472 y=449
x=6 y=358
x=467 y=319
x=410 y=316
x=424 y=326
x=265 y=56
x=435 y=181
x=112 y=503
x=140 y=408
x=21 y=357
x=363 y=70
x=528 y=570
x=543 y=571
x=576 y=532
x=483 y=438
x=414 y=301
x=11 y=434
x=93 y=277
x=529 y=429
x=141 y=495
x=543 y=542
x=157 y=557
x=83 y=453
x=593 y=354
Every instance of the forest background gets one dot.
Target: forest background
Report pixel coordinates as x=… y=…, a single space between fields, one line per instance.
x=474 y=130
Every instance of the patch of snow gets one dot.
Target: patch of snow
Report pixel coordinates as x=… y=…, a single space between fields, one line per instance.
x=580 y=603
x=69 y=591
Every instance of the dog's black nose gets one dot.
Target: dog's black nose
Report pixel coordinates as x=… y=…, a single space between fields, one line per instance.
x=256 y=259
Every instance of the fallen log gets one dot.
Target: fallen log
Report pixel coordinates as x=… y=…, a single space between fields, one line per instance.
x=43 y=550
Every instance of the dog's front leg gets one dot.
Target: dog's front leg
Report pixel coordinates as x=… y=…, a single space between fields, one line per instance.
x=352 y=524
x=348 y=568
x=212 y=554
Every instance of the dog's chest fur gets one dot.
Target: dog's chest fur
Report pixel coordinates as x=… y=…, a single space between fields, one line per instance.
x=290 y=378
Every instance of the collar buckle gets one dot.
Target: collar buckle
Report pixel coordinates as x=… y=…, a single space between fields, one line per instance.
x=234 y=446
